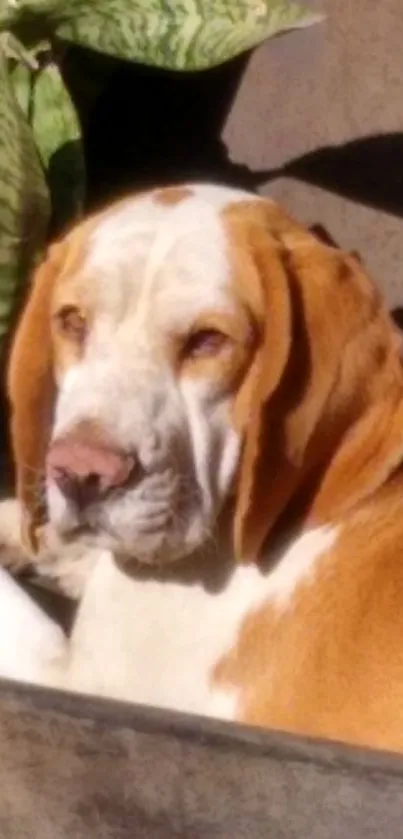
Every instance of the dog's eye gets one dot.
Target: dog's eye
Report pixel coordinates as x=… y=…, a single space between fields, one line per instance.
x=204 y=342
x=71 y=323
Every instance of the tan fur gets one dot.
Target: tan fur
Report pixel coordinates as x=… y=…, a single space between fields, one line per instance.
x=294 y=406
x=331 y=664
x=326 y=446
x=31 y=382
x=172 y=195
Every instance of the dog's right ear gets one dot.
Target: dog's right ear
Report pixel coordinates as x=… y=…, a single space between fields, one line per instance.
x=315 y=304
x=31 y=390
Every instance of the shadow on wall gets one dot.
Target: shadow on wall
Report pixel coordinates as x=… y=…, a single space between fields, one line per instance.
x=150 y=126
x=146 y=126
x=368 y=170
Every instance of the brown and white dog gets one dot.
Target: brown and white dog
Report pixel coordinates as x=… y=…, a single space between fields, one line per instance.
x=213 y=399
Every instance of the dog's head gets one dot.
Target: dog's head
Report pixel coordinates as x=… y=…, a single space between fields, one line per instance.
x=176 y=357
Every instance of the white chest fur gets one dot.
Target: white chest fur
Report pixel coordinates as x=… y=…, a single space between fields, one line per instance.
x=148 y=641
x=156 y=642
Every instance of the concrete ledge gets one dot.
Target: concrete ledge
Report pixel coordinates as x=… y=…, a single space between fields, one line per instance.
x=91 y=769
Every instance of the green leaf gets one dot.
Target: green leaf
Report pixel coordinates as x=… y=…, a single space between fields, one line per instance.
x=14 y=49
x=46 y=102
x=172 y=34
x=22 y=77
x=24 y=208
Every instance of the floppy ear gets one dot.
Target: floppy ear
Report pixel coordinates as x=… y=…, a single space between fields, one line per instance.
x=316 y=299
x=31 y=393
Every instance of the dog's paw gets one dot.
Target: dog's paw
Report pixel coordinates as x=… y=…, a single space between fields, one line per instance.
x=65 y=567
x=57 y=566
x=13 y=556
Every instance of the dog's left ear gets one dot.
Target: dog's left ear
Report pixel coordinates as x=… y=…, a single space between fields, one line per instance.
x=314 y=300
x=31 y=391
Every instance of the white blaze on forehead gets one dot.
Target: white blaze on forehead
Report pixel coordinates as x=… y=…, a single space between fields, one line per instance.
x=175 y=255
x=154 y=267
x=142 y=215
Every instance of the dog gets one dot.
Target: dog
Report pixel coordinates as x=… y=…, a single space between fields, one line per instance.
x=207 y=427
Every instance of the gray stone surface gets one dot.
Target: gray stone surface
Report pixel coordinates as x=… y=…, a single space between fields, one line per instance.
x=74 y=768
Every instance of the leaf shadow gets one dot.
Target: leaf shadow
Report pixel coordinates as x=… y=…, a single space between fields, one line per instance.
x=368 y=170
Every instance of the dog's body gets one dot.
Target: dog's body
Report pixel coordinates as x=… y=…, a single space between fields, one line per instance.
x=176 y=627
x=228 y=397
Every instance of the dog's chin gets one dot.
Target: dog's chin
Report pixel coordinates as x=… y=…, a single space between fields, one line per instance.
x=135 y=553
x=157 y=549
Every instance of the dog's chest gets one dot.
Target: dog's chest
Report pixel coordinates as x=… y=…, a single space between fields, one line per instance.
x=158 y=643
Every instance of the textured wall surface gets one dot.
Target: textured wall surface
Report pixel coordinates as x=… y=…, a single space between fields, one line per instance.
x=318 y=120
x=314 y=118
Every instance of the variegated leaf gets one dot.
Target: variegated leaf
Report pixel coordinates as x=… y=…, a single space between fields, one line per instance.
x=172 y=34
x=24 y=208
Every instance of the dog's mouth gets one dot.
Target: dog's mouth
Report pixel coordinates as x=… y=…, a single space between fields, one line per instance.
x=159 y=522
x=154 y=540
